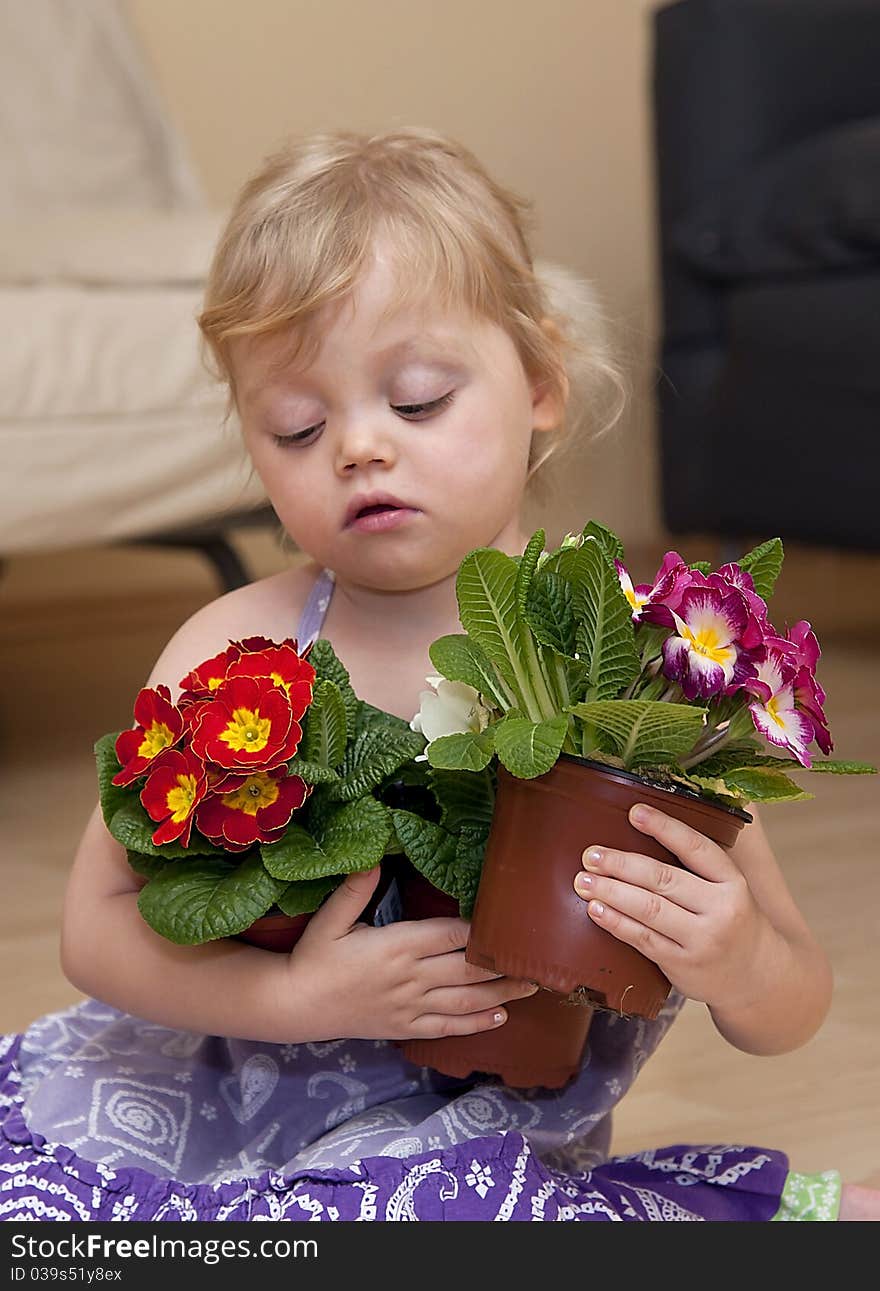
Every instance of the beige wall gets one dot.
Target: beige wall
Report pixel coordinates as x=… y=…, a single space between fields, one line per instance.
x=551 y=95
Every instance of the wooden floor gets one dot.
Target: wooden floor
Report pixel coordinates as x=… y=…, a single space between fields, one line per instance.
x=81 y=631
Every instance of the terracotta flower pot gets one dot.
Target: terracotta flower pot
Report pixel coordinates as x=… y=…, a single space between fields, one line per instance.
x=529 y=921
x=542 y=1041
x=278 y=932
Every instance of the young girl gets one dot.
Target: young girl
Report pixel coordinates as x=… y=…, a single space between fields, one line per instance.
x=399 y=375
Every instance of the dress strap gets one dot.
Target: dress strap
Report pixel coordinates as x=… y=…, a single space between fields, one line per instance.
x=315 y=609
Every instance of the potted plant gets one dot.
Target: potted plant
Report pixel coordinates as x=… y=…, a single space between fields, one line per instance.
x=243 y=804
x=586 y=695
x=443 y=837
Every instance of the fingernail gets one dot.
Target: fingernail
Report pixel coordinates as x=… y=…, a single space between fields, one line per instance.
x=533 y=988
x=592 y=856
x=583 y=883
x=639 y=815
x=499 y=1017
x=597 y=908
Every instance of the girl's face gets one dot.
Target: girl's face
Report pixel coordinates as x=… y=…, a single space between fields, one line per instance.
x=432 y=410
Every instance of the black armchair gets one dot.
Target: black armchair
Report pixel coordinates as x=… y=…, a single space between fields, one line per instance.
x=767 y=132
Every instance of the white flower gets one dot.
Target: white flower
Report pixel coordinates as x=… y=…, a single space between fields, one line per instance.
x=451 y=708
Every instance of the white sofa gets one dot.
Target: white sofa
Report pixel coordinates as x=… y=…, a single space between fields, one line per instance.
x=110 y=427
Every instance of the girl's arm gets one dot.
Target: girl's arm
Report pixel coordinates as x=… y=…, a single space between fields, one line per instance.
x=108 y=951
x=793 y=981
x=725 y=930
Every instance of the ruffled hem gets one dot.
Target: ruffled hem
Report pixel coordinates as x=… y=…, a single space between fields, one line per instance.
x=495 y=1177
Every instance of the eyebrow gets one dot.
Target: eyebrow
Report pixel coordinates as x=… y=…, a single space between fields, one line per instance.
x=419 y=344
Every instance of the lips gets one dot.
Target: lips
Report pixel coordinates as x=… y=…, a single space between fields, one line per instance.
x=373 y=503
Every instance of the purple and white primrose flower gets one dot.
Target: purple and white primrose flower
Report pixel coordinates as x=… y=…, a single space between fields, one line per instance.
x=733 y=575
x=715 y=641
x=775 y=711
x=809 y=695
x=654 y=602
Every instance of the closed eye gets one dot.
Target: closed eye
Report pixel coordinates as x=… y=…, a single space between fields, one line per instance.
x=411 y=411
x=424 y=409
x=299 y=437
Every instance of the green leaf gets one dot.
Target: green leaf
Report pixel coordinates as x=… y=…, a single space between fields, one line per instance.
x=467 y=751
x=837 y=766
x=370 y=718
x=294 y=855
x=326 y=733
x=764 y=563
x=304 y=897
x=741 y=759
x=528 y=749
x=549 y=611
x=429 y=847
x=457 y=658
x=352 y=838
x=605 y=634
x=701 y=566
x=112 y=796
x=761 y=784
x=738 y=759
x=328 y=667
x=469 y=854
x=526 y=570
x=465 y=799
x=608 y=542
x=205 y=898
x=133 y=828
x=644 y=732
x=374 y=755
x=486 y=592
x=313 y=772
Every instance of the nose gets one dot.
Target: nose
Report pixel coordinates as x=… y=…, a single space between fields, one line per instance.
x=363 y=442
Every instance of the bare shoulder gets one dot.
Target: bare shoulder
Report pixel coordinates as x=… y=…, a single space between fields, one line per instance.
x=269 y=607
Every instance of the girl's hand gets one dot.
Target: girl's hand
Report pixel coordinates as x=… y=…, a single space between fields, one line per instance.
x=404 y=981
x=700 y=925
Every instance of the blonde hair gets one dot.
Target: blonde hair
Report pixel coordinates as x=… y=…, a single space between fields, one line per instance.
x=304 y=227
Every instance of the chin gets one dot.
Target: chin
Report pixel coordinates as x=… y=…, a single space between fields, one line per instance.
x=397 y=571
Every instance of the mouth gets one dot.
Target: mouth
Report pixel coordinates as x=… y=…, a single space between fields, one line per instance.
x=376 y=511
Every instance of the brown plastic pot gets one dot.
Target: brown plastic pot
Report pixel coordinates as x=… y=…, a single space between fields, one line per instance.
x=529 y=921
x=540 y=1044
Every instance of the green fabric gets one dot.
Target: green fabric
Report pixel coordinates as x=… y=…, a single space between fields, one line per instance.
x=810 y=1196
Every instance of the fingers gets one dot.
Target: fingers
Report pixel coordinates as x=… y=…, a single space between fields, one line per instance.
x=608 y=872
x=453 y=969
x=610 y=901
x=692 y=848
x=344 y=906
x=653 y=944
x=487 y=996
x=433 y=1026
x=426 y=937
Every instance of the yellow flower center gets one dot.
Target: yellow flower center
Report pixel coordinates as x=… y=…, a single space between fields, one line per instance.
x=180 y=800
x=636 y=601
x=156 y=738
x=258 y=791
x=773 y=712
x=247 y=731
x=707 y=642
x=214 y=682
